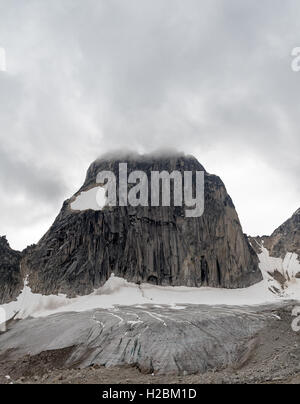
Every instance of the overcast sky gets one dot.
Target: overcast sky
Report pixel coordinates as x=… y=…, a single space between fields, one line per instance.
x=210 y=77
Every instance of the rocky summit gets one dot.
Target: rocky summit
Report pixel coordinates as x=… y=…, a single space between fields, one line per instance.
x=280 y=256
x=158 y=245
x=286 y=238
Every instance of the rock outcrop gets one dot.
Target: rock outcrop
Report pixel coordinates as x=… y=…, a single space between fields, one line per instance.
x=280 y=255
x=10 y=276
x=144 y=244
x=286 y=238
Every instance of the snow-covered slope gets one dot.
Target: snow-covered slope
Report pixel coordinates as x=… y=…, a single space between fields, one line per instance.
x=118 y=291
x=279 y=256
x=281 y=275
x=281 y=280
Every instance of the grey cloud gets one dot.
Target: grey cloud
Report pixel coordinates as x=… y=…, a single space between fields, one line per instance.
x=29 y=179
x=87 y=77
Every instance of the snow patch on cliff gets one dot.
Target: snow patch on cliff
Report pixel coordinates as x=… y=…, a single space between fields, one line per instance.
x=94 y=198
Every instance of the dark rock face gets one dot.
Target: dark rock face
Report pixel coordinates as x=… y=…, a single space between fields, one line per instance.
x=10 y=276
x=283 y=240
x=286 y=238
x=144 y=244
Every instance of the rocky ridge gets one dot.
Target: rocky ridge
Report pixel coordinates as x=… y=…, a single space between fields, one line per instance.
x=280 y=254
x=10 y=275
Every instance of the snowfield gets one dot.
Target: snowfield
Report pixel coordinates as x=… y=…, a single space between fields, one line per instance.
x=288 y=267
x=118 y=292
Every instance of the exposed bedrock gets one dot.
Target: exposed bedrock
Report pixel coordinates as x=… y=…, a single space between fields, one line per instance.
x=285 y=239
x=144 y=244
x=11 y=281
x=283 y=246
